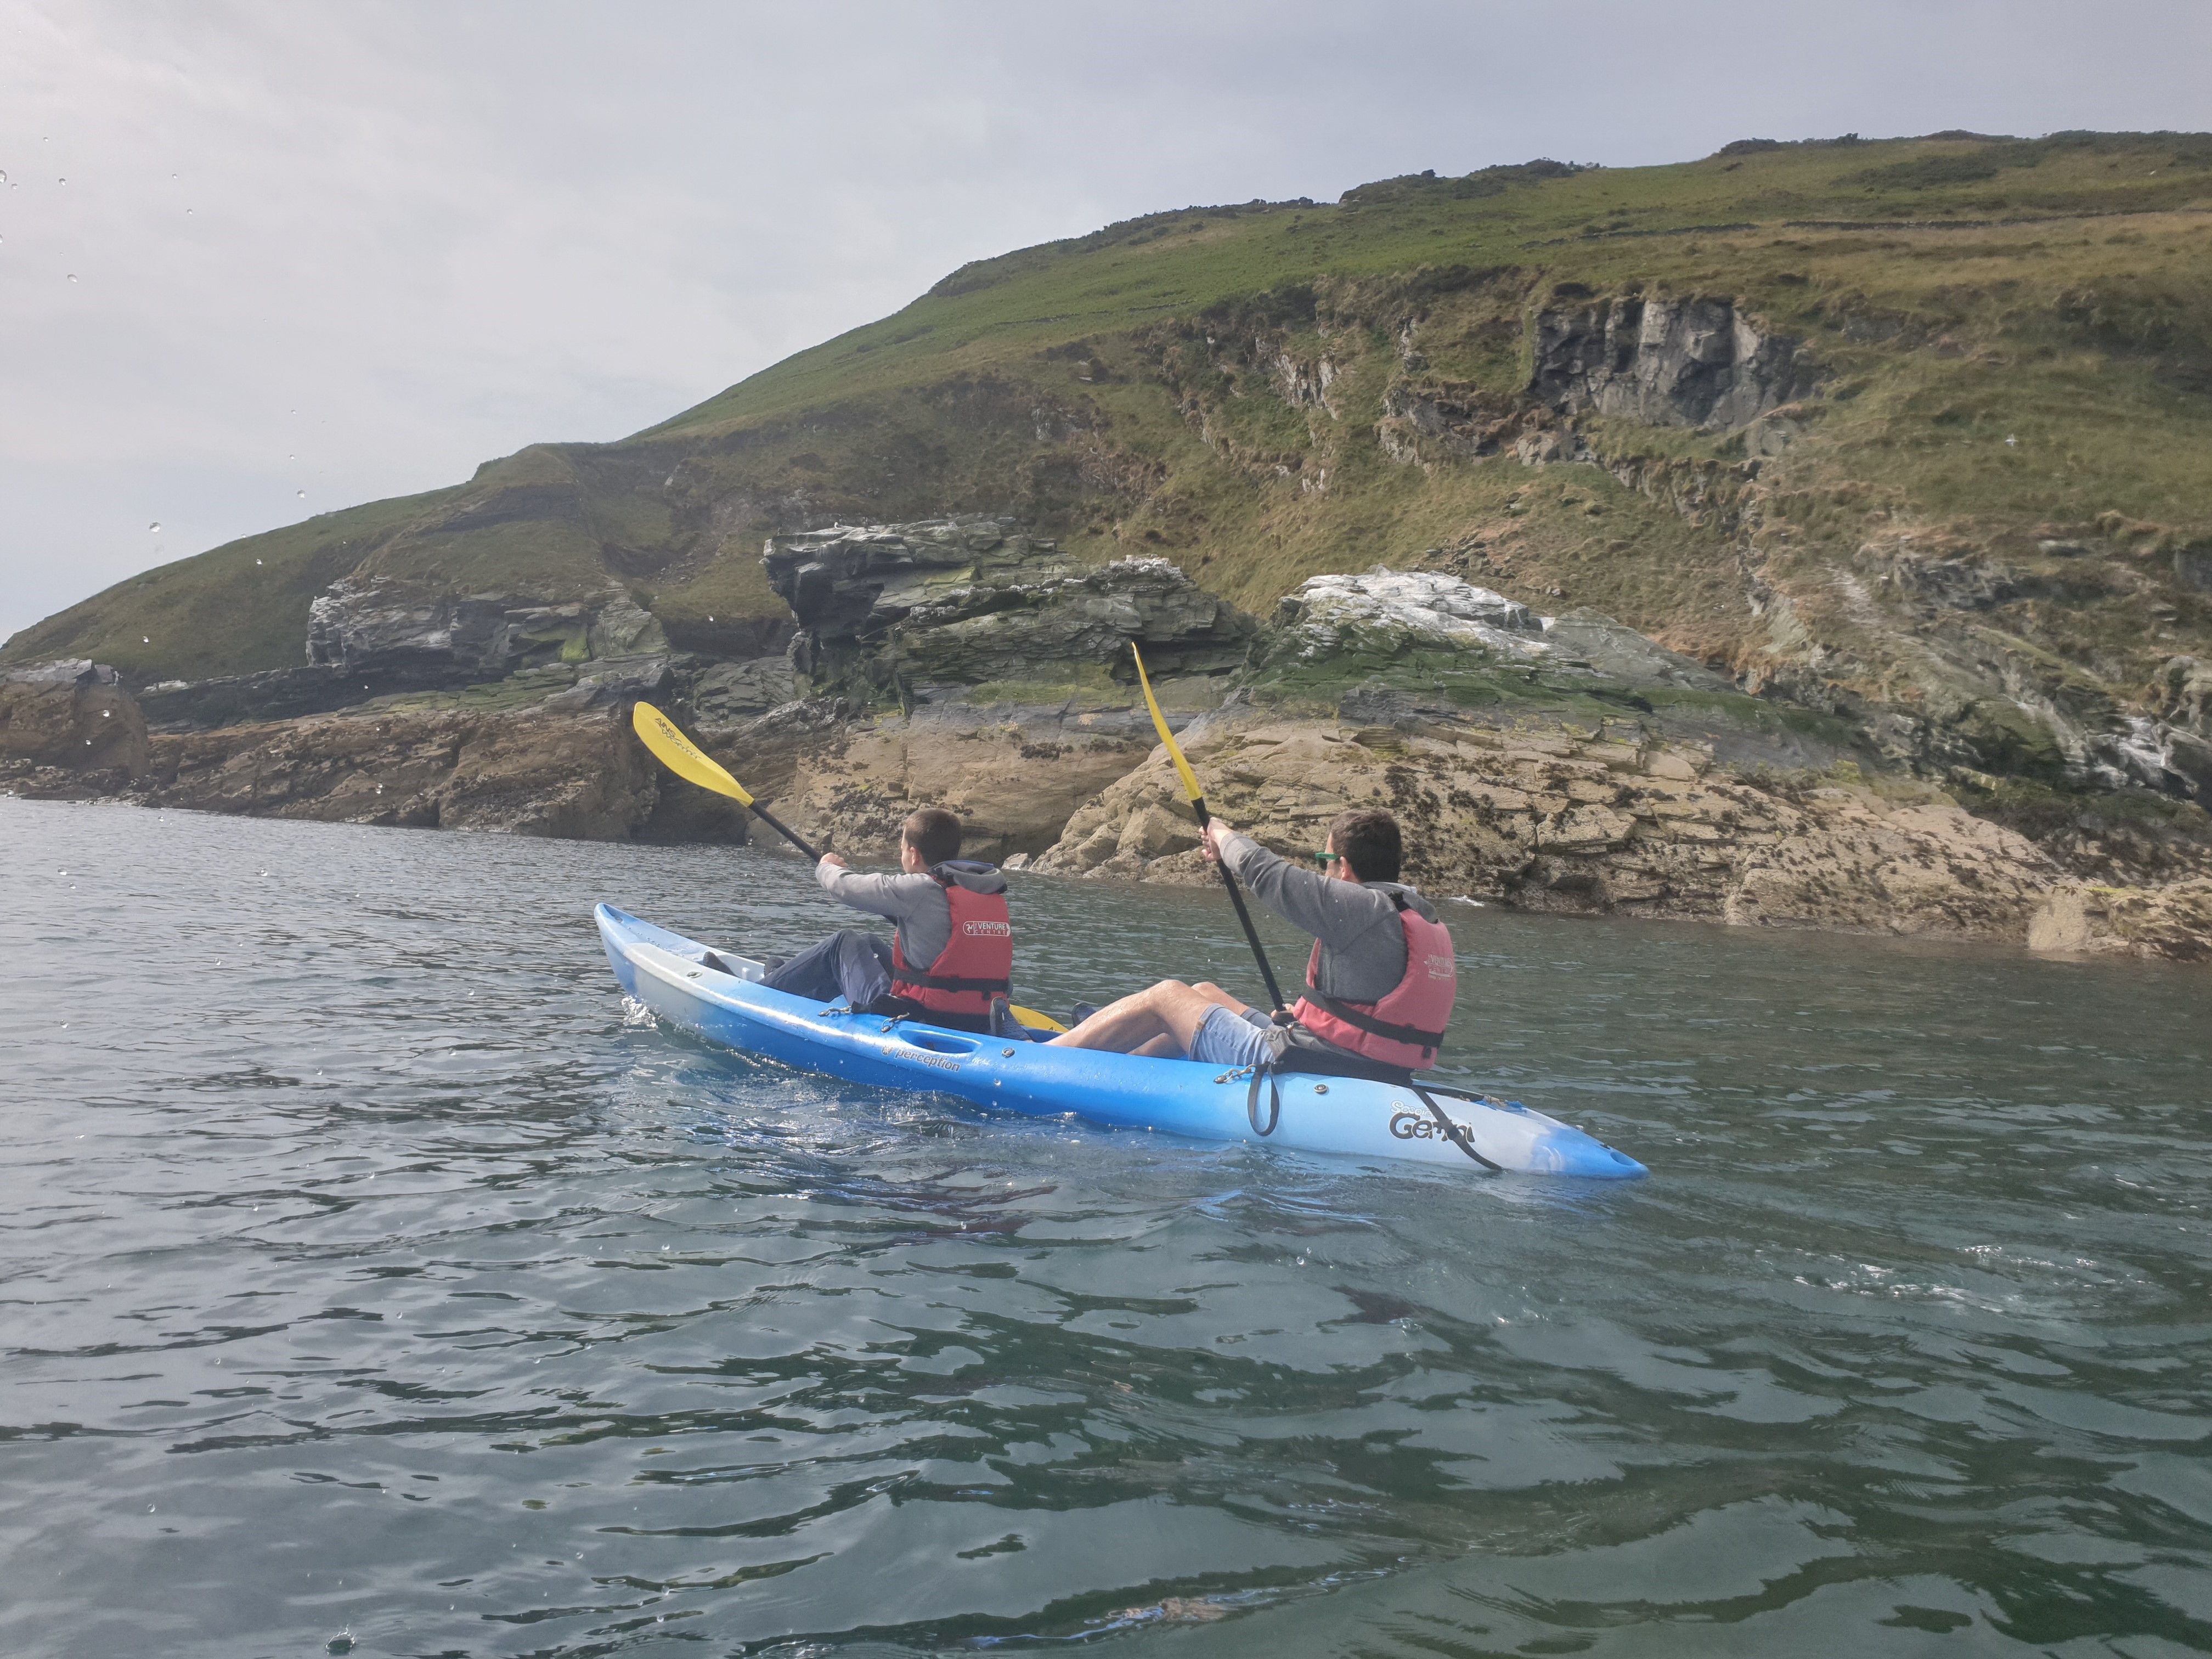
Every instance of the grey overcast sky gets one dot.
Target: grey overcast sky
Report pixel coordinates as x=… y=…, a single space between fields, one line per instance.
x=267 y=258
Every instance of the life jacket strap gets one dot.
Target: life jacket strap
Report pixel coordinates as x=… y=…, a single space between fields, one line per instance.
x=1361 y=1020
x=950 y=981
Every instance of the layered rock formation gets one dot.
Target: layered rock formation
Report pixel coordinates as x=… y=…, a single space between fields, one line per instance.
x=536 y=772
x=71 y=725
x=921 y=611
x=1605 y=820
x=1563 y=763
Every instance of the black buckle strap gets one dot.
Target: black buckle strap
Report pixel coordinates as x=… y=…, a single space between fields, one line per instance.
x=1460 y=1138
x=1431 y=1041
x=950 y=982
x=1264 y=1070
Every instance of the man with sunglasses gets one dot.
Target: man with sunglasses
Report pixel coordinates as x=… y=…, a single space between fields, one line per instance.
x=1379 y=984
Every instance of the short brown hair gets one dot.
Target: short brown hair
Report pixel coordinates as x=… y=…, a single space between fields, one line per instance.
x=932 y=832
x=1368 y=841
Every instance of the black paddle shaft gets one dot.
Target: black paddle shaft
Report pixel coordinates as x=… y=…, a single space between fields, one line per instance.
x=785 y=830
x=1243 y=916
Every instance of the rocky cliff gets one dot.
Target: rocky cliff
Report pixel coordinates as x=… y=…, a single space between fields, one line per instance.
x=1563 y=764
x=73 y=723
x=923 y=612
x=1888 y=456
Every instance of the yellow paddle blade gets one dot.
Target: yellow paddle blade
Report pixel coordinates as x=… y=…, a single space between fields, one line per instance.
x=1035 y=1021
x=682 y=757
x=1160 y=725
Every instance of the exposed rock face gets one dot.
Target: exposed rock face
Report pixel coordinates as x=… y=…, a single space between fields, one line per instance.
x=2185 y=691
x=1428 y=420
x=1390 y=646
x=1036 y=632
x=1665 y=362
x=1550 y=822
x=279 y=694
x=1012 y=772
x=855 y=583
x=1012 y=788
x=2174 y=922
x=916 y=610
x=537 y=772
x=1328 y=614
x=729 y=692
x=1589 y=640
x=72 y=717
x=367 y=629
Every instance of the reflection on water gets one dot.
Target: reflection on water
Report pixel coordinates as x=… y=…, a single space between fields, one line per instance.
x=369 y=1280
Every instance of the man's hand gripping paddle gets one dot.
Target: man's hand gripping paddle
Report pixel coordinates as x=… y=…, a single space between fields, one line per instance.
x=1198 y=807
x=691 y=763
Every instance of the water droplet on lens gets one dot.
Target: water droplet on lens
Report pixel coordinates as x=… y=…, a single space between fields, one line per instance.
x=144 y=641
x=256 y=561
x=72 y=276
x=156 y=526
x=301 y=493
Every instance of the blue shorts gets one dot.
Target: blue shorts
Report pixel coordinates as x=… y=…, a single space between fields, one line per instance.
x=1226 y=1039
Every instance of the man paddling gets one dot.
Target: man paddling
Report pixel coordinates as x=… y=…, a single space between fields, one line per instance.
x=954 y=948
x=1379 y=984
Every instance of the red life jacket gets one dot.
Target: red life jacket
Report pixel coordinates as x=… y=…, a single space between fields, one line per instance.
x=977 y=960
x=1407 y=1027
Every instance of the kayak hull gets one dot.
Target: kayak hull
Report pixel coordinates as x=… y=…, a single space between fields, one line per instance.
x=694 y=988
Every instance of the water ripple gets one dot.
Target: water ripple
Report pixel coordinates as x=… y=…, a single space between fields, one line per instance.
x=374 y=1278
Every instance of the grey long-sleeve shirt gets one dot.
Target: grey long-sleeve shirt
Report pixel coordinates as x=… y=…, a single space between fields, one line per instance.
x=916 y=903
x=1363 y=944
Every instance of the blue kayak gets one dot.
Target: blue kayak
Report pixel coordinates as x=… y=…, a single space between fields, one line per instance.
x=716 y=994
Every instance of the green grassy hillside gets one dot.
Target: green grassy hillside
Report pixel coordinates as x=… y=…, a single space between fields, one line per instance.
x=1993 y=498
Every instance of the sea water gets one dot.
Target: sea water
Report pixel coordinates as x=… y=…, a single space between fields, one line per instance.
x=369 y=1283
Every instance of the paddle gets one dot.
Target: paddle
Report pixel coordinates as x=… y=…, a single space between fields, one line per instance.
x=691 y=763
x=1198 y=807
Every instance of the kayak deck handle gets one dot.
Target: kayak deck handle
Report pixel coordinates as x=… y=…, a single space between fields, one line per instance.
x=938 y=1042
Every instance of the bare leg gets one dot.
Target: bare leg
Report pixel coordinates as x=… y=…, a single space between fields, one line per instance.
x=1164 y=1046
x=1169 y=1010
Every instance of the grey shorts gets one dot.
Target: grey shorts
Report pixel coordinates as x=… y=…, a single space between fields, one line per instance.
x=1227 y=1039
